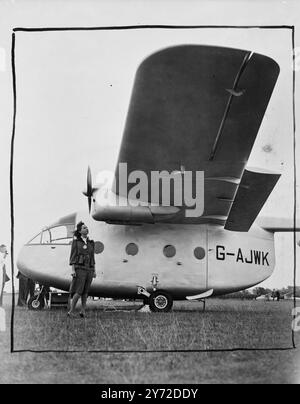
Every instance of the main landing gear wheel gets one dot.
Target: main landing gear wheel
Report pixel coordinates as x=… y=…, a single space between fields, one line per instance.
x=160 y=301
x=36 y=303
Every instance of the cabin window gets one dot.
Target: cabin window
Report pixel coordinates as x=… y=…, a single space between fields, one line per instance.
x=99 y=247
x=169 y=251
x=132 y=249
x=199 y=253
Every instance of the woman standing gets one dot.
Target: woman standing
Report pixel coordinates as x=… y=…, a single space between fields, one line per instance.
x=82 y=259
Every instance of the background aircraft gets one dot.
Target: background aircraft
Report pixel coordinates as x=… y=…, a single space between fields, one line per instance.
x=193 y=108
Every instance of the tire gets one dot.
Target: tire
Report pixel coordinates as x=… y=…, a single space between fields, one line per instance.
x=160 y=302
x=36 y=303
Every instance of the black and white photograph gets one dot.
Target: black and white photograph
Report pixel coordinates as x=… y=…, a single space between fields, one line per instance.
x=150 y=184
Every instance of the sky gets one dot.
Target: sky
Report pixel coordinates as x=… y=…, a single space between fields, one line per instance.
x=74 y=88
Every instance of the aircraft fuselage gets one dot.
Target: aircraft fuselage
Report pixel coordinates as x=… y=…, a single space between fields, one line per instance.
x=182 y=260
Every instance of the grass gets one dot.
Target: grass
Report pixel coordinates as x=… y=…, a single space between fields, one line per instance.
x=225 y=324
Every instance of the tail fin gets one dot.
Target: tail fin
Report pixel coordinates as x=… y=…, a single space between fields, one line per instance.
x=274 y=224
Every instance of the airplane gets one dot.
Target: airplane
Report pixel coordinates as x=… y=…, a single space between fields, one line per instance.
x=194 y=108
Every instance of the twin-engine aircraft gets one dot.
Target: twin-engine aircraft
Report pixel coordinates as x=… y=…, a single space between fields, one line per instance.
x=194 y=109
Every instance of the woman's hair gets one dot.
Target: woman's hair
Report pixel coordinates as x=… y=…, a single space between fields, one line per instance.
x=77 y=233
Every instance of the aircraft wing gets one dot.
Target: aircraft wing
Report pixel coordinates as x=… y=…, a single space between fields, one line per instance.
x=199 y=108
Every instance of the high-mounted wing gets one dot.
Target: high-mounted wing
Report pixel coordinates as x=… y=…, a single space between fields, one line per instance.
x=197 y=108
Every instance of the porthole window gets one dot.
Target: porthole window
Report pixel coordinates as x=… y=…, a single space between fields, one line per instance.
x=169 y=251
x=199 y=253
x=132 y=249
x=99 y=247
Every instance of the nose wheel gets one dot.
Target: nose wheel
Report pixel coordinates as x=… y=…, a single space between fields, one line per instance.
x=160 y=301
x=36 y=303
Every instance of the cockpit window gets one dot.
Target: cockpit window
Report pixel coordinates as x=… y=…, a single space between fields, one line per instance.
x=46 y=237
x=62 y=234
x=36 y=239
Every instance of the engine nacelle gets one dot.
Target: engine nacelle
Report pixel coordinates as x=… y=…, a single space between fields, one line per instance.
x=133 y=214
x=123 y=214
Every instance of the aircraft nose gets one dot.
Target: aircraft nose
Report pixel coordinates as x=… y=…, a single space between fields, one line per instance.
x=46 y=264
x=24 y=263
x=32 y=264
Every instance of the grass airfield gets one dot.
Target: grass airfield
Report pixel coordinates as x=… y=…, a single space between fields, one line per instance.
x=119 y=326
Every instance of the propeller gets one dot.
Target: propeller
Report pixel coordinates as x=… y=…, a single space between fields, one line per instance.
x=89 y=188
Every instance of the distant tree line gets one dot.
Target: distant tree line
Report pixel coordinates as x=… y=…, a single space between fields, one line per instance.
x=260 y=291
x=243 y=294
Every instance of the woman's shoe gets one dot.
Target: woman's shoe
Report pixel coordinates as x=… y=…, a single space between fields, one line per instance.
x=70 y=314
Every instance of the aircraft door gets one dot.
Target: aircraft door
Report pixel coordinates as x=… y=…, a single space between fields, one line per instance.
x=189 y=266
x=201 y=255
x=184 y=263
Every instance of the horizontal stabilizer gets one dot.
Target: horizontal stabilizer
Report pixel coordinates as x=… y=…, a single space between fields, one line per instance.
x=254 y=189
x=274 y=224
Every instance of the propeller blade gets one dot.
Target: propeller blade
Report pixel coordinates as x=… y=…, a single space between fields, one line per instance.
x=89 y=203
x=89 y=188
